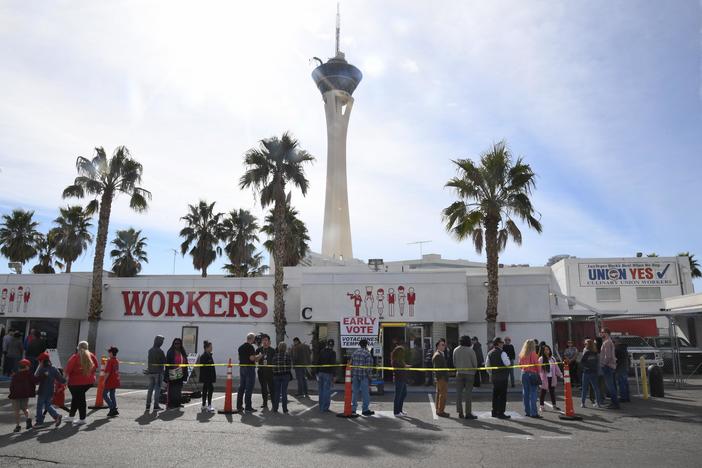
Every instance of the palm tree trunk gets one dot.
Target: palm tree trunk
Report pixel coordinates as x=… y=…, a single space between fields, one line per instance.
x=278 y=257
x=492 y=268
x=68 y=266
x=96 y=291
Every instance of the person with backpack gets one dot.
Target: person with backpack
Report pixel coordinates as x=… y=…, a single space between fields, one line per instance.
x=112 y=382
x=47 y=375
x=22 y=388
x=207 y=376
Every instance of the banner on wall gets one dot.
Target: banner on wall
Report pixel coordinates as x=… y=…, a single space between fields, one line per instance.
x=354 y=329
x=628 y=274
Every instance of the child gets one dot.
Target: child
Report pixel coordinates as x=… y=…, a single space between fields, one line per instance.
x=47 y=375
x=21 y=390
x=111 y=382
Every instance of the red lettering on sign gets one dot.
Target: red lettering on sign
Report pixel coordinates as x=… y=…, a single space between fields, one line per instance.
x=237 y=304
x=258 y=304
x=649 y=273
x=194 y=303
x=215 y=302
x=175 y=301
x=161 y=303
x=133 y=304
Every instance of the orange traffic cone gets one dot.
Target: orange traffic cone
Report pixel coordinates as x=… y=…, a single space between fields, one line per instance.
x=228 y=392
x=59 y=399
x=569 y=414
x=101 y=386
x=347 y=395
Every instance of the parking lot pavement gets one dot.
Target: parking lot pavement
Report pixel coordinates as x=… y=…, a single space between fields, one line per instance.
x=658 y=432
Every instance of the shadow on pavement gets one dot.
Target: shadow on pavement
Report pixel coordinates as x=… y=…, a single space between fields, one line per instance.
x=171 y=414
x=147 y=418
x=204 y=417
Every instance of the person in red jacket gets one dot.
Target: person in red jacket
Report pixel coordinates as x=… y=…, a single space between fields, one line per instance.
x=80 y=372
x=111 y=381
x=22 y=388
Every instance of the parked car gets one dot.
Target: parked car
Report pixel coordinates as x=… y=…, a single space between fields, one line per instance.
x=637 y=347
x=690 y=357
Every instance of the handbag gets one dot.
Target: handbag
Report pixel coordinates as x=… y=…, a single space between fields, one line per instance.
x=175 y=374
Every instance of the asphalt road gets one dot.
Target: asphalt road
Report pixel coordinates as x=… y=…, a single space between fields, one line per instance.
x=657 y=432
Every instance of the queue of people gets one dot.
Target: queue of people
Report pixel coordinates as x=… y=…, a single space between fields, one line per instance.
x=14 y=349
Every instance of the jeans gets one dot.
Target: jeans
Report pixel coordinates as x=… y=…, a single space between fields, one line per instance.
x=301 y=380
x=325 y=384
x=400 y=395
x=464 y=384
x=360 y=385
x=608 y=374
x=280 y=391
x=590 y=379
x=623 y=384
x=45 y=403
x=154 y=389
x=248 y=379
x=78 y=400
x=110 y=398
x=529 y=394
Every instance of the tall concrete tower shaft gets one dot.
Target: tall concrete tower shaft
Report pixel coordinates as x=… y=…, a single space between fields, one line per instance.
x=337 y=79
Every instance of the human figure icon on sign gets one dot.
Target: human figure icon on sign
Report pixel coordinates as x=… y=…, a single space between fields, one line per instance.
x=369 y=300
x=26 y=297
x=401 y=299
x=3 y=301
x=19 y=298
x=391 y=302
x=411 y=297
x=356 y=298
x=11 y=304
x=381 y=301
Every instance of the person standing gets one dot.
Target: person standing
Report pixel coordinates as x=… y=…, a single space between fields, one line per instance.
x=15 y=351
x=176 y=372
x=22 y=388
x=590 y=364
x=549 y=375
x=35 y=347
x=47 y=375
x=361 y=363
x=466 y=362
x=207 y=376
x=397 y=360
x=509 y=349
x=325 y=374
x=112 y=382
x=608 y=361
x=530 y=377
x=570 y=355
x=439 y=362
x=428 y=355
x=622 y=373
x=498 y=359
x=9 y=335
x=282 y=366
x=80 y=373
x=478 y=349
x=154 y=369
x=265 y=372
x=247 y=374
x=301 y=360
x=417 y=361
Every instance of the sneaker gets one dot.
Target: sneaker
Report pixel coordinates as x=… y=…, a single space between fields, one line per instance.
x=210 y=409
x=285 y=411
x=368 y=413
x=203 y=408
x=471 y=416
x=79 y=422
x=537 y=416
x=505 y=416
x=157 y=408
x=17 y=428
x=29 y=423
x=460 y=416
x=443 y=415
x=541 y=409
x=58 y=420
x=250 y=410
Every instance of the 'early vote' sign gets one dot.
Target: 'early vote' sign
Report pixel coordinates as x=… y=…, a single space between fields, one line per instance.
x=354 y=329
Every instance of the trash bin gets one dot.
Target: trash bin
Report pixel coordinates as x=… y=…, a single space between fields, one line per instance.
x=655 y=381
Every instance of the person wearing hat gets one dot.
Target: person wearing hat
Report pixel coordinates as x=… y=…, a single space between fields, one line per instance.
x=47 y=375
x=112 y=381
x=498 y=360
x=22 y=388
x=325 y=373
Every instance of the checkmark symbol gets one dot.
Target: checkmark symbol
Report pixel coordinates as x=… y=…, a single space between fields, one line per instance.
x=662 y=273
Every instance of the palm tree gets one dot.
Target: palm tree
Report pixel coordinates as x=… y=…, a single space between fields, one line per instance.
x=203 y=232
x=19 y=236
x=490 y=195
x=269 y=168
x=46 y=248
x=72 y=233
x=104 y=178
x=297 y=238
x=239 y=232
x=128 y=253
x=694 y=264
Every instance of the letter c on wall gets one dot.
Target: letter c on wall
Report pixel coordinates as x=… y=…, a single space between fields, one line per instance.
x=306 y=313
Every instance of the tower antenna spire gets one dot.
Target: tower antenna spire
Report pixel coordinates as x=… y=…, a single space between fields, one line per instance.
x=338 y=27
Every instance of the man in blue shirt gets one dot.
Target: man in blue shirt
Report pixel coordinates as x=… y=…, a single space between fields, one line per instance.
x=361 y=362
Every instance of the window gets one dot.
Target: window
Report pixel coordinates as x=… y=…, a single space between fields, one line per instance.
x=648 y=294
x=189 y=338
x=608 y=295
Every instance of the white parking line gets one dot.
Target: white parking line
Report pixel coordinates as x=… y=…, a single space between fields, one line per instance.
x=129 y=393
x=433 y=406
x=200 y=402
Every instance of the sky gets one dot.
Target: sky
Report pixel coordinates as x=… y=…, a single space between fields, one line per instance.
x=603 y=99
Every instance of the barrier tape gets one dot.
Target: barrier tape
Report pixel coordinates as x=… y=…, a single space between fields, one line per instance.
x=413 y=369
